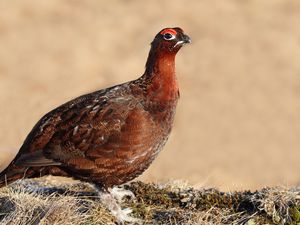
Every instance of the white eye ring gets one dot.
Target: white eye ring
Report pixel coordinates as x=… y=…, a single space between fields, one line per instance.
x=168 y=36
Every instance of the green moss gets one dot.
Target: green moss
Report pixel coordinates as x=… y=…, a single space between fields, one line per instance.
x=295 y=214
x=151 y=195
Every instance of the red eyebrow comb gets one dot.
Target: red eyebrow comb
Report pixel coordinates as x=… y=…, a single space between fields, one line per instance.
x=168 y=30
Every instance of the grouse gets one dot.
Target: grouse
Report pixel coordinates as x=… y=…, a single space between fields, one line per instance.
x=110 y=136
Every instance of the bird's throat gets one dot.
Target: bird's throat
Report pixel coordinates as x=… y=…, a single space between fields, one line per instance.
x=160 y=70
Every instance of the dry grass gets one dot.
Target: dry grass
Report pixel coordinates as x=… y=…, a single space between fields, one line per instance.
x=52 y=200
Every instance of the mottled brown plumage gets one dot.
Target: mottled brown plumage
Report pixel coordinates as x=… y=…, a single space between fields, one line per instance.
x=109 y=136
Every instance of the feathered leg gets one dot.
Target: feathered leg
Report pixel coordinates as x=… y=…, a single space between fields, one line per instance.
x=111 y=199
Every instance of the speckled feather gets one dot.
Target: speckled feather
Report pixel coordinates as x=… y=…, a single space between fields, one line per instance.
x=109 y=136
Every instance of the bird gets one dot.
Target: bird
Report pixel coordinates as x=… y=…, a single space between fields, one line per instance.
x=110 y=136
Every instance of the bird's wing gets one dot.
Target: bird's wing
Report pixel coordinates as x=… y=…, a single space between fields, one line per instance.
x=32 y=150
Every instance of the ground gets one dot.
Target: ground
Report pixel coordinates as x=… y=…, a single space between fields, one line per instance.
x=53 y=200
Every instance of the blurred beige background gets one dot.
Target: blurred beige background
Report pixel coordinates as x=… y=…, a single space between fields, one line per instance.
x=238 y=120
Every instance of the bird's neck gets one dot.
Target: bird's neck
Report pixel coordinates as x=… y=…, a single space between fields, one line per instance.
x=160 y=76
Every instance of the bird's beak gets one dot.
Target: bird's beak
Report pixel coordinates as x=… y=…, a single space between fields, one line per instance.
x=184 y=39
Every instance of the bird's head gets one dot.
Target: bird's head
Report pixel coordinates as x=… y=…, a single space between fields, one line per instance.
x=170 y=40
x=166 y=44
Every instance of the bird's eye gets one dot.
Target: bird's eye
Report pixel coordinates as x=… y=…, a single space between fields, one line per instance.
x=168 y=36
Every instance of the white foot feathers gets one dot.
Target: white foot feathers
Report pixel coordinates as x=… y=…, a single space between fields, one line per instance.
x=119 y=193
x=112 y=199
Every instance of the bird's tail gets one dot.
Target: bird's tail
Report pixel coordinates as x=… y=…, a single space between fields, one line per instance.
x=11 y=174
x=14 y=171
